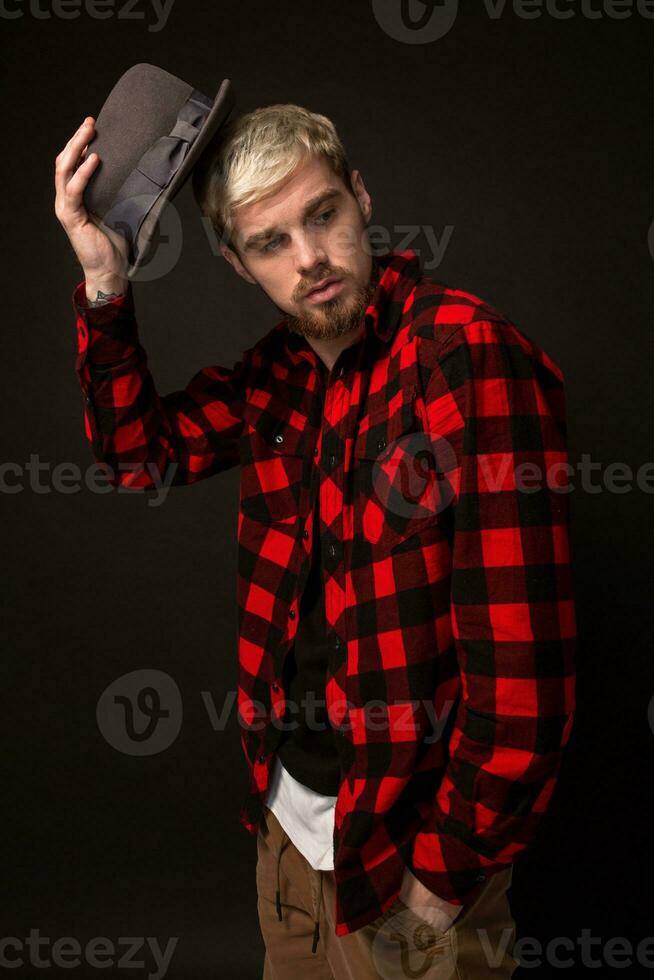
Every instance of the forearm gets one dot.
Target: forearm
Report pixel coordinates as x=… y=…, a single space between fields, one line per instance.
x=112 y=372
x=146 y=439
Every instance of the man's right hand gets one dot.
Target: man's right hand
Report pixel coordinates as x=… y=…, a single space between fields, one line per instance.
x=102 y=252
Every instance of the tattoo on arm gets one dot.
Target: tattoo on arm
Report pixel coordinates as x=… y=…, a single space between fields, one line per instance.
x=103 y=298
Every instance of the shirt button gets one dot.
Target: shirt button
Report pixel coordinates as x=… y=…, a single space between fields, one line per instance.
x=332 y=460
x=480 y=878
x=279 y=438
x=87 y=399
x=275 y=686
x=262 y=758
x=305 y=534
x=341 y=371
x=332 y=551
x=381 y=443
x=337 y=643
x=291 y=614
x=315 y=452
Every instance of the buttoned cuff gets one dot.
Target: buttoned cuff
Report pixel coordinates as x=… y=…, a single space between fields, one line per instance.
x=447 y=866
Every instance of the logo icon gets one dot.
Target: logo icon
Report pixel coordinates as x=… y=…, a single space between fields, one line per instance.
x=410 y=476
x=407 y=945
x=416 y=21
x=140 y=713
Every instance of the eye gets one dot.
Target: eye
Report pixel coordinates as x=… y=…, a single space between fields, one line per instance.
x=326 y=214
x=269 y=247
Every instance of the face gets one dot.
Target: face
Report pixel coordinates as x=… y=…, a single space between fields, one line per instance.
x=310 y=229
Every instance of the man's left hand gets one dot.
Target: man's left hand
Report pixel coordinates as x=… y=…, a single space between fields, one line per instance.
x=428 y=906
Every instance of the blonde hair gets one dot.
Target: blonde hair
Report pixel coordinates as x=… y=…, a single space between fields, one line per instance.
x=255 y=152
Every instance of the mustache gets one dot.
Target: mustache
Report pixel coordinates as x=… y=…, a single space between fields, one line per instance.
x=303 y=290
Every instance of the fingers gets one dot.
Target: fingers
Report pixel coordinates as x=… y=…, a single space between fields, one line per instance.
x=68 y=158
x=72 y=170
x=75 y=186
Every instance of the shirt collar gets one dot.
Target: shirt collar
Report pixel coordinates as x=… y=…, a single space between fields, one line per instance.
x=398 y=273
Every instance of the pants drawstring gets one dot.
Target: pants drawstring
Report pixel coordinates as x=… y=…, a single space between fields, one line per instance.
x=278 y=898
x=278 y=895
x=316 y=927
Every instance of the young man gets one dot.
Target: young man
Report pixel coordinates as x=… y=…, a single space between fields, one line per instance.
x=406 y=608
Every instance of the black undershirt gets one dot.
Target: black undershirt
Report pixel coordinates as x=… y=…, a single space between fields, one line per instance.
x=308 y=751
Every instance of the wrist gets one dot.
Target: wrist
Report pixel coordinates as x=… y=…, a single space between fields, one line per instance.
x=417 y=896
x=103 y=290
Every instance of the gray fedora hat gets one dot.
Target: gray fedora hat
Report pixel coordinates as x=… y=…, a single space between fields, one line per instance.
x=148 y=135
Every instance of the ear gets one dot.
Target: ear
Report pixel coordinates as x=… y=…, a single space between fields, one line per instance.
x=362 y=195
x=235 y=262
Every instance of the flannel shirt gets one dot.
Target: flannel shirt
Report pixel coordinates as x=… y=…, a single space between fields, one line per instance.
x=438 y=448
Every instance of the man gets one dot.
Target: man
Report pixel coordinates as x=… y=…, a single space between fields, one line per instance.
x=406 y=609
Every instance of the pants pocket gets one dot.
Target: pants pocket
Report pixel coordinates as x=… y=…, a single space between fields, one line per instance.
x=406 y=945
x=485 y=932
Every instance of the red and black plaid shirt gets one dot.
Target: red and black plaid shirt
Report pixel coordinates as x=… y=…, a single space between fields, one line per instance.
x=438 y=448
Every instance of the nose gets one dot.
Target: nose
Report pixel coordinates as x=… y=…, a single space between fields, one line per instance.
x=310 y=256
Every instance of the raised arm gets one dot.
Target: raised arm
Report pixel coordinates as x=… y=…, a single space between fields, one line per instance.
x=137 y=433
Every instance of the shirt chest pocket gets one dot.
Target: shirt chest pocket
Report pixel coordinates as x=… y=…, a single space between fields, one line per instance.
x=397 y=493
x=275 y=462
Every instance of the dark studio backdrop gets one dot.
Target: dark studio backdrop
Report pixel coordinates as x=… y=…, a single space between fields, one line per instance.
x=514 y=153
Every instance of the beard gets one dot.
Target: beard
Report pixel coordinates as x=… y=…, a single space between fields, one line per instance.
x=337 y=316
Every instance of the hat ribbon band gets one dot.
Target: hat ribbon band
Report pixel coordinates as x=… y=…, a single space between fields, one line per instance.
x=156 y=168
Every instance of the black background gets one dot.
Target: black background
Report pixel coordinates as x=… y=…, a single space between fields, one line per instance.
x=533 y=140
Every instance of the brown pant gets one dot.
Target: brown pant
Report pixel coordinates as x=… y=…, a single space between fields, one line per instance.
x=398 y=944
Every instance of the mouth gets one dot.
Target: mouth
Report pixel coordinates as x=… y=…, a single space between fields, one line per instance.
x=325 y=290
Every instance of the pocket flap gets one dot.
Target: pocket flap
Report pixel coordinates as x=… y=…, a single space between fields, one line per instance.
x=385 y=426
x=283 y=428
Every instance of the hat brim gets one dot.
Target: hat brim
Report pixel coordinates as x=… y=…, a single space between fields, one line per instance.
x=144 y=244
